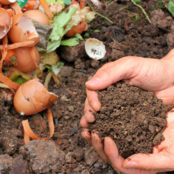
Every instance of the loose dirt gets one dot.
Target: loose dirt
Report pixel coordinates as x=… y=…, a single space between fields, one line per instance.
x=133 y=118
x=124 y=37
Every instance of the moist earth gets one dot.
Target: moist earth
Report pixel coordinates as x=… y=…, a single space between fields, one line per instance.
x=132 y=117
x=67 y=152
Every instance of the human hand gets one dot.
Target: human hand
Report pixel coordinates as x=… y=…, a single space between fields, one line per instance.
x=149 y=74
x=161 y=160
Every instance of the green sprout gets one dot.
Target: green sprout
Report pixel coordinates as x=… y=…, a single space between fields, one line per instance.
x=153 y=7
x=122 y=8
x=160 y=4
x=134 y=2
x=99 y=13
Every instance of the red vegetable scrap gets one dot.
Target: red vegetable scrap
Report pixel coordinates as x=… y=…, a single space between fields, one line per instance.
x=77 y=29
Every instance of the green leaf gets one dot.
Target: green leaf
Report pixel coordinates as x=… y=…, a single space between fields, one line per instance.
x=153 y=7
x=110 y=1
x=59 y=64
x=137 y=0
x=160 y=4
x=19 y=80
x=49 y=68
x=86 y=35
x=78 y=36
x=136 y=18
x=72 y=41
x=97 y=31
x=67 y=2
x=60 y=21
x=170 y=7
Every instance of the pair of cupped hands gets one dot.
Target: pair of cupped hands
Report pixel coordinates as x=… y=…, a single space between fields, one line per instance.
x=156 y=75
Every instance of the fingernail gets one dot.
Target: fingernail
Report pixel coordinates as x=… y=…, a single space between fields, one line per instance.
x=93 y=82
x=107 y=143
x=93 y=105
x=130 y=164
x=94 y=140
x=85 y=117
x=83 y=130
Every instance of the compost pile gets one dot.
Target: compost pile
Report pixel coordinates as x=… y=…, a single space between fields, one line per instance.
x=132 y=117
x=62 y=65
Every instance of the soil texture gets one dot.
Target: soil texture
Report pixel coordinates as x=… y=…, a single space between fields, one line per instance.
x=67 y=152
x=132 y=117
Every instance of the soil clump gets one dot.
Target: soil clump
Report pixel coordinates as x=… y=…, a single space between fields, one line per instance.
x=132 y=117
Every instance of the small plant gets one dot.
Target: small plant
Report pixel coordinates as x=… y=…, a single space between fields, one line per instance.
x=160 y=4
x=134 y=2
x=153 y=7
x=122 y=8
x=169 y=4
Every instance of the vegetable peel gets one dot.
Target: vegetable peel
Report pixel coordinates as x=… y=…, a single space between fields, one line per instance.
x=29 y=133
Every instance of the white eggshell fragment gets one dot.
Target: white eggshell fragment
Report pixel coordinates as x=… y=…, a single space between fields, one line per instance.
x=95 y=49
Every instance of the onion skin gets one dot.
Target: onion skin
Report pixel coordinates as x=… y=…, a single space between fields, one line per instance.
x=25 y=61
x=77 y=29
x=32 y=97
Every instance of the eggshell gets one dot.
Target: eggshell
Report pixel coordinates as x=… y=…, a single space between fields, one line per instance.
x=32 y=97
x=38 y=16
x=5 y=22
x=95 y=49
x=22 y=105
x=22 y=29
x=25 y=61
x=5 y=2
x=5 y=18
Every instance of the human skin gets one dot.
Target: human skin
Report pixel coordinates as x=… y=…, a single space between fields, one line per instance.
x=156 y=75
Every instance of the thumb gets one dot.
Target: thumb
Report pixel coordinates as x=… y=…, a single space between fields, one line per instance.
x=148 y=162
x=112 y=72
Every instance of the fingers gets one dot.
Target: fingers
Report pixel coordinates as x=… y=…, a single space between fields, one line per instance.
x=116 y=160
x=96 y=142
x=121 y=69
x=148 y=162
x=93 y=100
x=86 y=135
x=166 y=95
x=84 y=122
x=88 y=111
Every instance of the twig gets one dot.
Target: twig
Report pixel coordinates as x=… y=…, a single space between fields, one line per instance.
x=142 y=10
x=99 y=14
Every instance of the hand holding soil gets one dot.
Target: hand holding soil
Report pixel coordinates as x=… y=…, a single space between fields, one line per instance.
x=148 y=74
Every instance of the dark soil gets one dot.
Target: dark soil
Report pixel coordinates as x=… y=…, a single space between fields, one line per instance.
x=133 y=118
x=67 y=152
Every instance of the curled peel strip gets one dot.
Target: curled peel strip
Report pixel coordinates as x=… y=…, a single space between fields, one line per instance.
x=28 y=133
